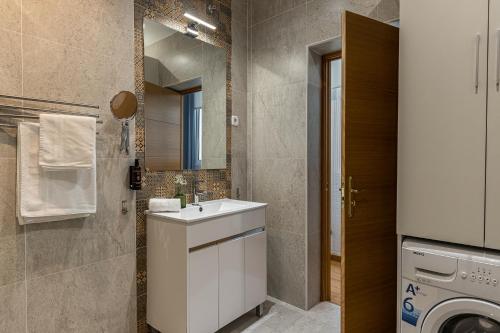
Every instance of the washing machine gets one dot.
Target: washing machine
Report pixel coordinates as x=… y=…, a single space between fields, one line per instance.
x=449 y=288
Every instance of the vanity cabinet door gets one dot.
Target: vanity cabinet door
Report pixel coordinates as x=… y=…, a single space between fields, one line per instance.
x=255 y=270
x=203 y=290
x=231 y=280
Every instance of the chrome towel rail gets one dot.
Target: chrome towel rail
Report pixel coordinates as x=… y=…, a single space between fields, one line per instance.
x=32 y=99
x=13 y=108
x=26 y=108
x=29 y=116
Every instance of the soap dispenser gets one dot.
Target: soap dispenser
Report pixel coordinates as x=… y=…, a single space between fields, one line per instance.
x=135 y=176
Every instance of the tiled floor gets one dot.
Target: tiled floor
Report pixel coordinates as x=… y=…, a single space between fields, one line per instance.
x=280 y=318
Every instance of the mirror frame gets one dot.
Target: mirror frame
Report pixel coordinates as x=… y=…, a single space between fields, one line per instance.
x=217 y=38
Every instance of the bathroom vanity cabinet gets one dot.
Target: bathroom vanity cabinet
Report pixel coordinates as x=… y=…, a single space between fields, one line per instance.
x=205 y=269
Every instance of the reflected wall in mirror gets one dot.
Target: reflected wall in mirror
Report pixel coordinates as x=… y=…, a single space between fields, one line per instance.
x=184 y=101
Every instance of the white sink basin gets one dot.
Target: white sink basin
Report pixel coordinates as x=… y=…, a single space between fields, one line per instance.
x=209 y=209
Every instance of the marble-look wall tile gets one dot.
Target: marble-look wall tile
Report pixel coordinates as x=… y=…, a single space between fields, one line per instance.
x=80 y=52
x=280 y=183
x=263 y=10
x=388 y=10
x=102 y=27
x=56 y=71
x=313 y=158
x=11 y=15
x=313 y=269
x=239 y=54
x=286 y=266
x=8 y=142
x=239 y=13
x=279 y=122
x=100 y=297
x=11 y=234
x=13 y=308
x=239 y=179
x=10 y=66
x=56 y=246
x=239 y=133
x=278 y=50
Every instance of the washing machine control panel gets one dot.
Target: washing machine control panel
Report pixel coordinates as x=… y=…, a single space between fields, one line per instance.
x=476 y=276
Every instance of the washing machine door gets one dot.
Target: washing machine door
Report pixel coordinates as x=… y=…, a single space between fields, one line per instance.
x=463 y=315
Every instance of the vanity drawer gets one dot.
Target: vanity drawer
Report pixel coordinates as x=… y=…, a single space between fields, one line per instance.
x=226 y=226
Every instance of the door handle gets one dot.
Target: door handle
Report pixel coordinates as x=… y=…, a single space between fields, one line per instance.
x=476 y=70
x=351 y=203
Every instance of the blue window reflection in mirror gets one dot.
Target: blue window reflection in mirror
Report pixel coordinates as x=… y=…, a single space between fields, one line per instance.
x=193 y=129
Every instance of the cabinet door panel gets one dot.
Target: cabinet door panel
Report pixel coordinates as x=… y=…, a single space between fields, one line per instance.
x=255 y=270
x=232 y=279
x=492 y=231
x=204 y=290
x=442 y=119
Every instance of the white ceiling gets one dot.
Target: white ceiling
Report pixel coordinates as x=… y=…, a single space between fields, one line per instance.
x=154 y=32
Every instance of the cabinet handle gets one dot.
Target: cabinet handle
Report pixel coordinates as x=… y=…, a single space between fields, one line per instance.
x=476 y=74
x=498 y=61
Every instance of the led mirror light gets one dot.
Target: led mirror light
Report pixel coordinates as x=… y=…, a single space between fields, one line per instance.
x=199 y=21
x=192 y=32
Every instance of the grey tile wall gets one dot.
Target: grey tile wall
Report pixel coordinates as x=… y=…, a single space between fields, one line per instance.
x=75 y=275
x=284 y=124
x=239 y=47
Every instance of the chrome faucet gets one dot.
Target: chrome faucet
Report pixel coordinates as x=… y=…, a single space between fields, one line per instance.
x=196 y=193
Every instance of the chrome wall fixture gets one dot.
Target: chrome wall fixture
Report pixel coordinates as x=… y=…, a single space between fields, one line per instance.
x=199 y=21
x=16 y=116
x=192 y=30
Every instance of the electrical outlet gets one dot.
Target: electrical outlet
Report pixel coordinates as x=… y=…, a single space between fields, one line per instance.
x=235 y=121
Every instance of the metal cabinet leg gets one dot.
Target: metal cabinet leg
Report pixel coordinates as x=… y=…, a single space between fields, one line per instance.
x=259 y=310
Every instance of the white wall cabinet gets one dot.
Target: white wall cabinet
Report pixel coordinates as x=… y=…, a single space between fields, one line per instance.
x=202 y=276
x=492 y=224
x=447 y=100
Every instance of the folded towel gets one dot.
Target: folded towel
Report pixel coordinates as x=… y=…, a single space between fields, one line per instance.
x=46 y=195
x=164 y=205
x=67 y=142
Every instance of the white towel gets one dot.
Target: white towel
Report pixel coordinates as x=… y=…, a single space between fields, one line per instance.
x=164 y=205
x=67 y=142
x=46 y=195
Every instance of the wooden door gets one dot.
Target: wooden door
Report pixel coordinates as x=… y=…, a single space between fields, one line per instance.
x=163 y=122
x=492 y=225
x=369 y=243
x=442 y=120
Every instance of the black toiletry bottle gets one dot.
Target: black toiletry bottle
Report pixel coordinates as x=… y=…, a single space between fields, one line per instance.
x=135 y=176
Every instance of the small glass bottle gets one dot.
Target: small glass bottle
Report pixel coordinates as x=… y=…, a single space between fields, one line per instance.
x=180 y=195
x=135 y=176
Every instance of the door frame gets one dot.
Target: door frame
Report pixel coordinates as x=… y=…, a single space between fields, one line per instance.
x=326 y=245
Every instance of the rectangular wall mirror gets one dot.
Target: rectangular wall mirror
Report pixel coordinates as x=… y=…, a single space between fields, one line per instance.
x=184 y=101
